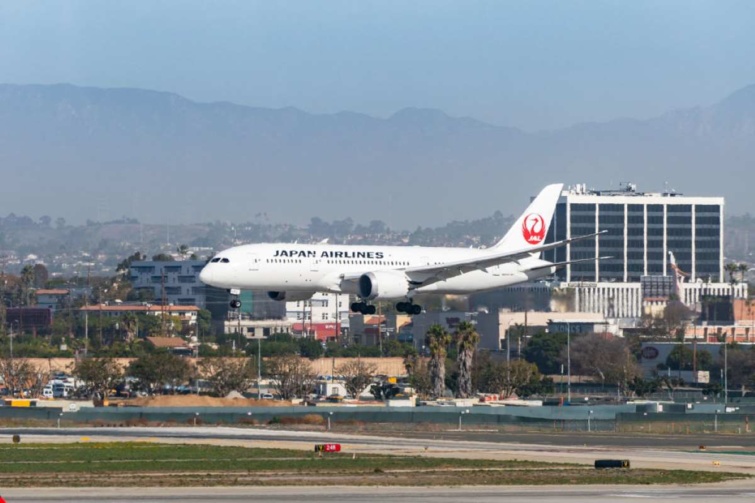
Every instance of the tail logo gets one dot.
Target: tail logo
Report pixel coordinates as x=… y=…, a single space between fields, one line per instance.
x=533 y=228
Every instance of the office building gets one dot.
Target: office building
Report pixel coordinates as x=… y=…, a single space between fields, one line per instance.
x=642 y=228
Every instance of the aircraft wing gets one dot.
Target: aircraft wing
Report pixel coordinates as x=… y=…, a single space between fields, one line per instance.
x=426 y=275
x=568 y=262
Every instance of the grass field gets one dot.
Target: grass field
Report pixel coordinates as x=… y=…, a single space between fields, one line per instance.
x=148 y=464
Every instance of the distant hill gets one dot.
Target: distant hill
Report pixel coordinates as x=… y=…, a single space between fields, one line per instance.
x=83 y=153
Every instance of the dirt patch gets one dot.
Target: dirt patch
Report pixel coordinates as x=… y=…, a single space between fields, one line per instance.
x=201 y=401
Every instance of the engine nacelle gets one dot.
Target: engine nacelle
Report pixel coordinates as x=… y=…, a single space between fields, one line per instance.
x=290 y=296
x=383 y=285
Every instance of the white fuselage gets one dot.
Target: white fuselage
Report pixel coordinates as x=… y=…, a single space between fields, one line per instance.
x=322 y=267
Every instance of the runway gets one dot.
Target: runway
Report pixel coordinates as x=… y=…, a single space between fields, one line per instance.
x=642 y=452
x=544 y=494
x=483 y=446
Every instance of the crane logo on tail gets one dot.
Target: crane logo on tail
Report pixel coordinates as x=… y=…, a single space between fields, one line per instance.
x=533 y=228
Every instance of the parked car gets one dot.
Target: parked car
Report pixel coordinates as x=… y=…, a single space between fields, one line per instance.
x=47 y=392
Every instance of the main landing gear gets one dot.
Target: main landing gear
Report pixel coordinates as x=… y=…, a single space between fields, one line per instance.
x=363 y=308
x=408 y=308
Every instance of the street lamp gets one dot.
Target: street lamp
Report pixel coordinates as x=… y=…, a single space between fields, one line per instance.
x=508 y=341
x=589 y=416
x=259 y=368
x=461 y=414
x=568 y=362
x=329 y=415
x=196 y=415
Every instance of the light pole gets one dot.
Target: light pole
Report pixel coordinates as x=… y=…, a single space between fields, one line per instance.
x=508 y=342
x=10 y=336
x=461 y=414
x=568 y=362
x=196 y=415
x=589 y=417
x=259 y=368
x=726 y=373
x=329 y=415
x=59 y=416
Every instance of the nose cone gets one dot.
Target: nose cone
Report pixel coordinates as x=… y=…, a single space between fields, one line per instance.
x=206 y=275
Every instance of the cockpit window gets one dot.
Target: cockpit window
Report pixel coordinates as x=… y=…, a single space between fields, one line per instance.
x=216 y=259
x=224 y=260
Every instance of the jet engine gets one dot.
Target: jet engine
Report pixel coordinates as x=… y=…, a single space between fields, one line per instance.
x=383 y=285
x=290 y=296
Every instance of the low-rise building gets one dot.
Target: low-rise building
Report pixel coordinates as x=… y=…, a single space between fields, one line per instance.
x=52 y=298
x=187 y=314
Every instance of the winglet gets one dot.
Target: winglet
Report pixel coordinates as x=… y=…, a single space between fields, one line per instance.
x=531 y=227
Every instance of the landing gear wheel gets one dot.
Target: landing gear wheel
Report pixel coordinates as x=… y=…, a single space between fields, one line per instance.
x=408 y=308
x=235 y=304
x=363 y=308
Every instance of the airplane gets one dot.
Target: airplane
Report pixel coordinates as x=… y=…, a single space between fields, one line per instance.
x=293 y=272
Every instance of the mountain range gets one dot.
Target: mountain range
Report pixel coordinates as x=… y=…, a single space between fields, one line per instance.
x=90 y=153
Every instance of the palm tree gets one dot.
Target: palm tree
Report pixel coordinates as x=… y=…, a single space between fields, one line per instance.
x=732 y=268
x=466 y=338
x=27 y=282
x=437 y=341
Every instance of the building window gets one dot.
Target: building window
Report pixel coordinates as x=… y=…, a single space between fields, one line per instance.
x=324 y=316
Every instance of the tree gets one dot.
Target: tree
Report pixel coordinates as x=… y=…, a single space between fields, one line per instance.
x=124 y=266
x=395 y=348
x=291 y=375
x=419 y=374
x=204 y=323
x=607 y=358
x=437 y=341
x=310 y=348
x=228 y=374
x=41 y=275
x=158 y=368
x=163 y=257
x=26 y=284
x=642 y=387
x=544 y=350
x=183 y=250
x=508 y=378
x=356 y=376
x=740 y=365
x=466 y=339
x=100 y=375
x=680 y=358
x=17 y=373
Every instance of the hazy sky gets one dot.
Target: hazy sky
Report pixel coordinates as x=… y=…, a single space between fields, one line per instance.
x=531 y=64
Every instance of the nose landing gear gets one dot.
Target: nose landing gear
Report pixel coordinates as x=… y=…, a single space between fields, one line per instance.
x=235 y=302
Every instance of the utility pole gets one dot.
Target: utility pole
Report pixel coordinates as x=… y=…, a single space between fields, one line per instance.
x=162 y=301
